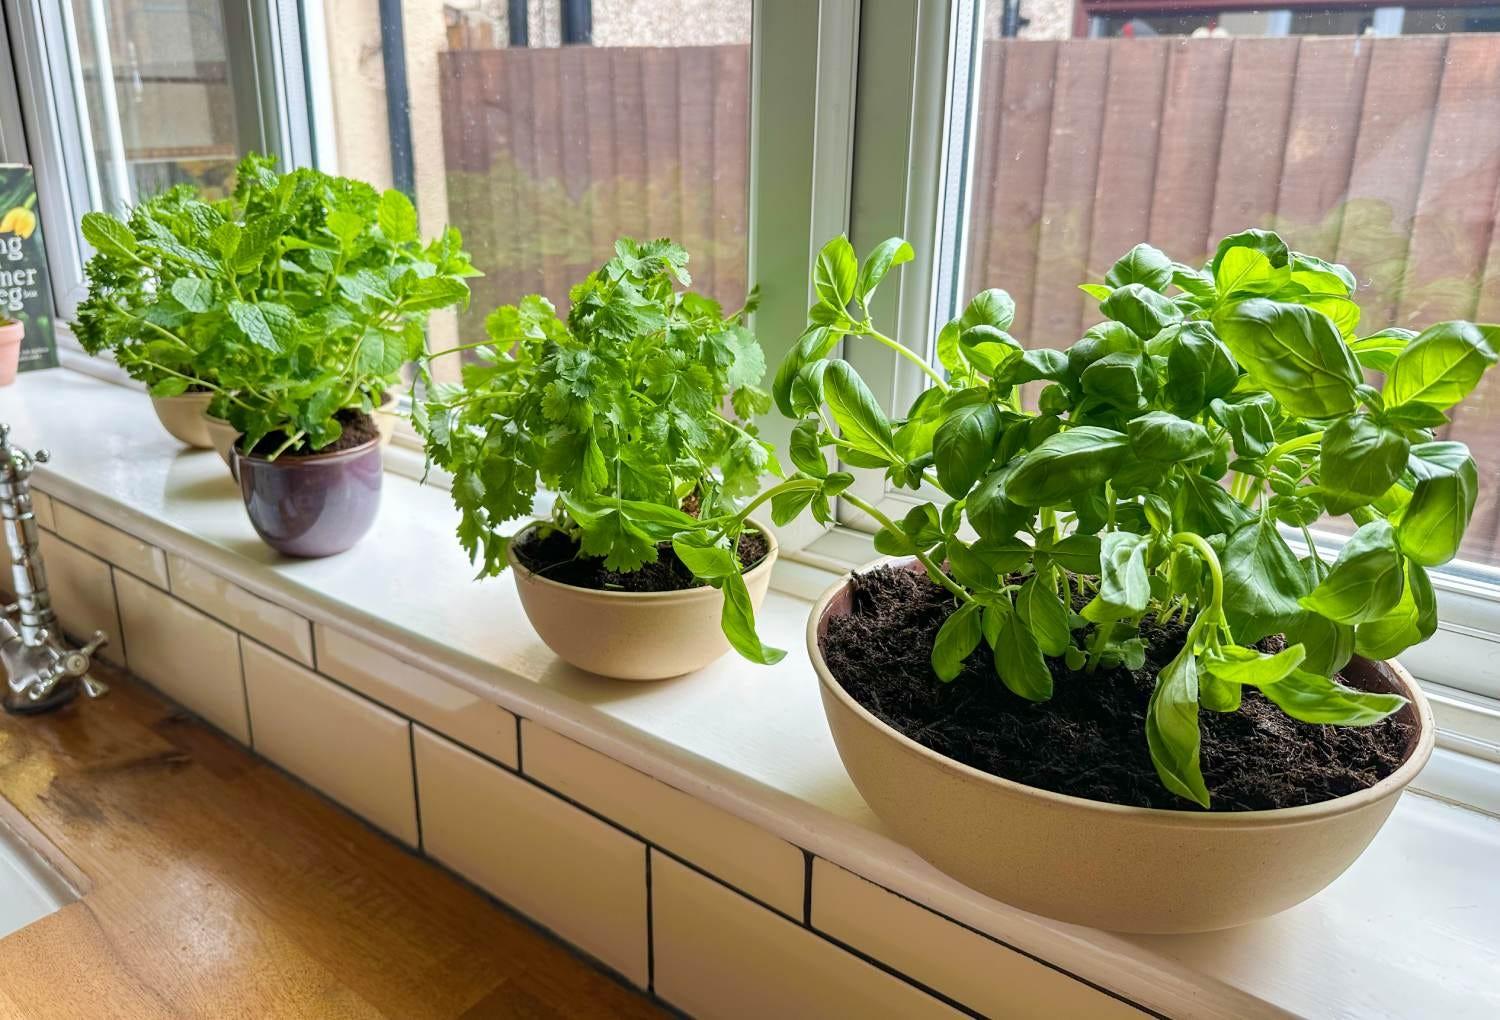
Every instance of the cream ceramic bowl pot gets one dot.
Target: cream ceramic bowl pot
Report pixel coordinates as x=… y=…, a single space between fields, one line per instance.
x=632 y=635
x=182 y=416
x=1105 y=865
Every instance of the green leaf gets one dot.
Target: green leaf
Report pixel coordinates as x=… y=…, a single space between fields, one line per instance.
x=1067 y=463
x=1144 y=265
x=1162 y=436
x=1124 y=587
x=1199 y=366
x=1431 y=527
x=1328 y=645
x=1359 y=460
x=1144 y=310
x=738 y=623
x=786 y=506
x=1262 y=581
x=1201 y=505
x=989 y=349
x=806 y=450
x=1310 y=698
x=1235 y=664
x=861 y=423
x=1442 y=365
x=435 y=292
x=1172 y=732
x=252 y=322
x=707 y=561
x=1044 y=615
x=1078 y=553
x=835 y=273
x=1294 y=353
x=171 y=386
x=956 y=640
x=108 y=235
x=814 y=345
x=397 y=218
x=964 y=445
x=1365 y=581
x=1412 y=621
x=1018 y=657
x=193 y=293
x=992 y=307
x=893 y=251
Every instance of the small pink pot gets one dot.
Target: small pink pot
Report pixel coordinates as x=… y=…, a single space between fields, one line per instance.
x=12 y=332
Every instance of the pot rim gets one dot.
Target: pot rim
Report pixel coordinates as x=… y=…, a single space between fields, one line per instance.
x=680 y=595
x=1389 y=786
x=203 y=395
x=294 y=461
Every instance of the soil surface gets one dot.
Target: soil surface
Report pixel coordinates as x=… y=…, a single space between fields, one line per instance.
x=359 y=428
x=554 y=555
x=1089 y=740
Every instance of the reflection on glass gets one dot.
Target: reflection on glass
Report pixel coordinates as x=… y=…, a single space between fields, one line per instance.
x=1380 y=150
x=160 y=101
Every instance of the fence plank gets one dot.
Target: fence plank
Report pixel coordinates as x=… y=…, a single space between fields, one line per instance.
x=731 y=160
x=1068 y=196
x=1188 y=155
x=1328 y=96
x=696 y=158
x=1127 y=158
x=1395 y=127
x=1257 y=109
x=1015 y=174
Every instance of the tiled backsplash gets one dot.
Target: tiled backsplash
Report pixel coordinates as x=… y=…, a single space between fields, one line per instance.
x=708 y=912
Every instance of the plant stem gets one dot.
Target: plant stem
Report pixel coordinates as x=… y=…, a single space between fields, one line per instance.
x=908 y=354
x=933 y=570
x=469 y=347
x=790 y=485
x=1216 y=573
x=1296 y=443
x=292 y=441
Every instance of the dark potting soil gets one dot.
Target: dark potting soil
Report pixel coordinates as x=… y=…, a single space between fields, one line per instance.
x=359 y=428
x=1089 y=740
x=555 y=556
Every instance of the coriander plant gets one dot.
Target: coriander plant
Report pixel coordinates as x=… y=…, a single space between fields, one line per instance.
x=299 y=296
x=1174 y=446
x=635 y=411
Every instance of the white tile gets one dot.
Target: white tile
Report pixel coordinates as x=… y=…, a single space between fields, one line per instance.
x=350 y=748
x=194 y=660
x=125 y=551
x=437 y=704
x=967 y=967
x=720 y=955
x=744 y=855
x=266 y=622
x=83 y=595
x=559 y=865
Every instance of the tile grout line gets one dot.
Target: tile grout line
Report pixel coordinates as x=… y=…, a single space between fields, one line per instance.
x=650 y=928
x=416 y=787
x=239 y=644
x=807 y=877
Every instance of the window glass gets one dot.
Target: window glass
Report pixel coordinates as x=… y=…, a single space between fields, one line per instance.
x=545 y=130
x=160 y=95
x=1370 y=136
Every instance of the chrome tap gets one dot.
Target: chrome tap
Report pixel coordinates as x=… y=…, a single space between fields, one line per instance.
x=42 y=673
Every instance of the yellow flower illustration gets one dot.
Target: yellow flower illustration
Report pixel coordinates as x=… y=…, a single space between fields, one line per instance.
x=19 y=220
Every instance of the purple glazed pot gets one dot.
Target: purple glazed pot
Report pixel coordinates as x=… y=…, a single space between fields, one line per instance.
x=312 y=506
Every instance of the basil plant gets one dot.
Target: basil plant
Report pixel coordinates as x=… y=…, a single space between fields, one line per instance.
x=1174 y=446
x=636 y=411
x=299 y=296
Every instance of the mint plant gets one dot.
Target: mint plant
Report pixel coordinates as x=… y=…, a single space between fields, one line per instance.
x=1173 y=447
x=636 y=411
x=300 y=296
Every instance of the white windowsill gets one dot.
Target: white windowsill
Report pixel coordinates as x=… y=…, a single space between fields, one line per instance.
x=1411 y=929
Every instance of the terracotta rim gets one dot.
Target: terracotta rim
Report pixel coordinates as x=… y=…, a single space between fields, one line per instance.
x=293 y=461
x=681 y=595
x=1416 y=756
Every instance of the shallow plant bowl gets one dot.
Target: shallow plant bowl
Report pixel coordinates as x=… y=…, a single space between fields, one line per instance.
x=1106 y=865
x=311 y=506
x=629 y=635
x=182 y=416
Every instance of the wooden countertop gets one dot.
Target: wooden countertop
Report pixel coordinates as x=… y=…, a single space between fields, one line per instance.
x=216 y=886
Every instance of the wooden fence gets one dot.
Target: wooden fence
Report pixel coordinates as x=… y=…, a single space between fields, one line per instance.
x=1380 y=153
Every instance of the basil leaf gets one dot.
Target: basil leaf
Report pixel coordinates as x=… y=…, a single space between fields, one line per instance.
x=862 y=424
x=806 y=450
x=1442 y=365
x=1199 y=367
x=1431 y=527
x=815 y=344
x=1124 y=587
x=1018 y=657
x=1359 y=460
x=1329 y=645
x=993 y=307
x=835 y=273
x=1067 y=463
x=893 y=251
x=1142 y=309
x=738 y=623
x=1262 y=581
x=1365 y=581
x=1412 y=621
x=1310 y=698
x=964 y=445
x=1235 y=664
x=1043 y=613
x=956 y=640
x=1144 y=265
x=1294 y=353
x=1172 y=728
x=1162 y=436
